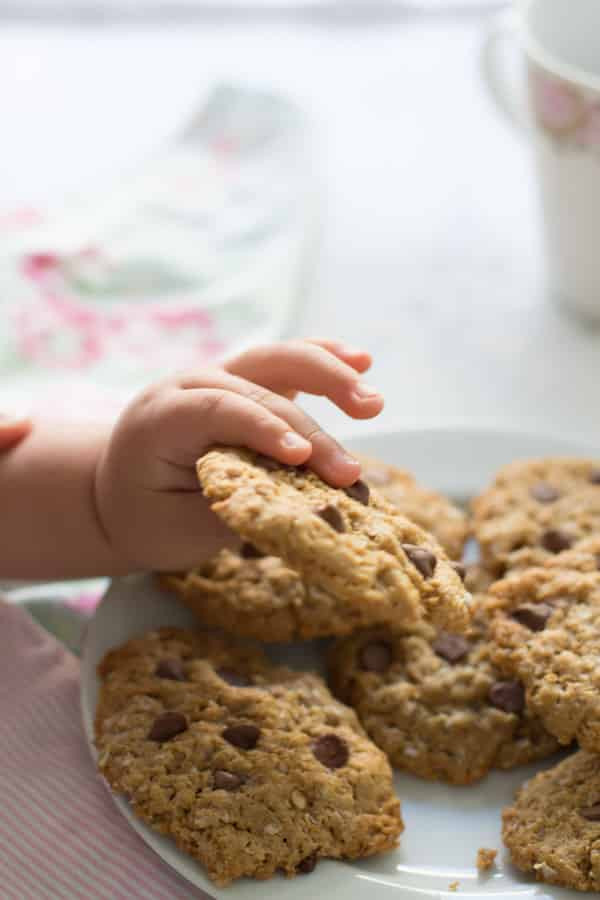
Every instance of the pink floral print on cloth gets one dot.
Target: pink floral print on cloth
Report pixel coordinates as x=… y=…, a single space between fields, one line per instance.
x=190 y=259
x=59 y=327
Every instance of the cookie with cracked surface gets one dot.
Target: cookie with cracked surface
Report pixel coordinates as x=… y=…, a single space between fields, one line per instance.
x=547 y=504
x=553 y=827
x=430 y=510
x=435 y=703
x=546 y=632
x=349 y=542
x=250 y=767
x=260 y=597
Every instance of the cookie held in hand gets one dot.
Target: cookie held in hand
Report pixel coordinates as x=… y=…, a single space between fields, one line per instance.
x=428 y=509
x=261 y=597
x=349 y=542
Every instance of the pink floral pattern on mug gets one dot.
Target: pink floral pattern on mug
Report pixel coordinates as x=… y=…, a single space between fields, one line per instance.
x=565 y=112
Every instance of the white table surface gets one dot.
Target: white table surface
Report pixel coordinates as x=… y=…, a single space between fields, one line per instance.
x=430 y=253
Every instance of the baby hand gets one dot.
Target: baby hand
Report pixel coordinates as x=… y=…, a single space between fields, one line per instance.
x=147 y=495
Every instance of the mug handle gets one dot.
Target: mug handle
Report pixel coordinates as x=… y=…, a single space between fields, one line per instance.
x=507 y=91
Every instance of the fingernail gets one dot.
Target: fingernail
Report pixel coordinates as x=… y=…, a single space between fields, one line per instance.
x=293 y=441
x=350 y=351
x=346 y=459
x=365 y=390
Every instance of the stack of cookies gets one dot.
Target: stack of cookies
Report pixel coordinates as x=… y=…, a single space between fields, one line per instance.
x=538 y=526
x=254 y=768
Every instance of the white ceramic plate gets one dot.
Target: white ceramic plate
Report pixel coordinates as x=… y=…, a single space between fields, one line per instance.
x=445 y=826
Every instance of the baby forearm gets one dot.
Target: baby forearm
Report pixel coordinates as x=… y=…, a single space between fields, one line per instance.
x=49 y=527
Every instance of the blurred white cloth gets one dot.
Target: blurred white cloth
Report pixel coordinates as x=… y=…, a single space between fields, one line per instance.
x=193 y=256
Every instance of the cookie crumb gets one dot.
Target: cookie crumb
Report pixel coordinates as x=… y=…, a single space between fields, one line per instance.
x=454 y=885
x=486 y=858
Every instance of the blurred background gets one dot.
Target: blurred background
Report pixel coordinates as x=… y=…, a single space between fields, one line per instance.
x=179 y=177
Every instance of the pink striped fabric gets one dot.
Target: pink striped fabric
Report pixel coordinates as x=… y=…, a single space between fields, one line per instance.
x=61 y=837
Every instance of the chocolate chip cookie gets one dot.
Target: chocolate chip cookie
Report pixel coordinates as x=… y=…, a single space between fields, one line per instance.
x=553 y=827
x=351 y=542
x=251 y=768
x=431 y=511
x=258 y=596
x=546 y=633
x=546 y=504
x=435 y=703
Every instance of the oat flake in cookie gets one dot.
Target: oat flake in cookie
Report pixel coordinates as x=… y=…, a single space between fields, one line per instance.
x=250 y=768
x=553 y=827
x=546 y=633
x=435 y=703
x=372 y=557
x=545 y=504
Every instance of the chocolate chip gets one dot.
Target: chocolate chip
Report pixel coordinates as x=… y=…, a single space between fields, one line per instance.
x=227 y=781
x=307 y=865
x=544 y=492
x=508 y=696
x=451 y=647
x=358 y=491
x=331 y=751
x=249 y=551
x=236 y=679
x=266 y=462
x=533 y=615
x=555 y=540
x=375 y=656
x=591 y=813
x=170 y=668
x=243 y=736
x=597 y=561
x=167 y=726
x=460 y=569
x=595 y=476
x=333 y=517
x=421 y=558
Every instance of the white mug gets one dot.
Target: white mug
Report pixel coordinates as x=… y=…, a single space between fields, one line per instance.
x=561 y=41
